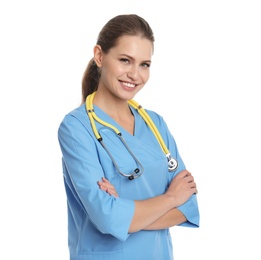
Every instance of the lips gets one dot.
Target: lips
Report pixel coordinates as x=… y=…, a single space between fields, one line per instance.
x=129 y=85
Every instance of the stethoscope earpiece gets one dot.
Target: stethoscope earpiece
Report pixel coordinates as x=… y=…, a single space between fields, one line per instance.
x=131 y=177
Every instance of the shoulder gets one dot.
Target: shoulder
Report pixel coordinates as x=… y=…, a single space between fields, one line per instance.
x=156 y=117
x=78 y=113
x=76 y=119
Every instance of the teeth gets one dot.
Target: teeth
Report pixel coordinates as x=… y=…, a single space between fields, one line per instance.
x=128 y=84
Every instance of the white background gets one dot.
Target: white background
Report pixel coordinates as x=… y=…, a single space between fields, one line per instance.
x=205 y=81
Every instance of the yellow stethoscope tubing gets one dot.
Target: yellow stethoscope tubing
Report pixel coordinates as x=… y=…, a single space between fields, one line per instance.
x=92 y=116
x=89 y=106
x=172 y=163
x=150 y=123
x=140 y=110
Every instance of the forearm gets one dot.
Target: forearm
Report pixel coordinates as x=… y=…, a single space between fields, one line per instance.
x=158 y=212
x=152 y=213
x=171 y=218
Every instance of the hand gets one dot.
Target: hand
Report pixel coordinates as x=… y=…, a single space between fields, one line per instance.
x=105 y=185
x=182 y=187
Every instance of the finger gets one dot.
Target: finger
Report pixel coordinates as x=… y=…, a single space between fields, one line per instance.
x=183 y=174
x=112 y=192
x=187 y=174
x=105 y=180
x=194 y=187
x=107 y=183
x=108 y=190
x=189 y=179
x=102 y=186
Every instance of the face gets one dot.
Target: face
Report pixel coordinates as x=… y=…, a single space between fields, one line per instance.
x=125 y=68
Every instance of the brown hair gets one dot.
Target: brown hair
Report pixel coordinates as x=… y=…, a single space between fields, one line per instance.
x=128 y=24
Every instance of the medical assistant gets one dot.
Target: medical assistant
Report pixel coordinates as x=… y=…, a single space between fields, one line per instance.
x=97 y=222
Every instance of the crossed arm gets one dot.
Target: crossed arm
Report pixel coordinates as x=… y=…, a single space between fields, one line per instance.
x=159 y=212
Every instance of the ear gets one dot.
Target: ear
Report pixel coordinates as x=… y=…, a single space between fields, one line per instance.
x=97 y=51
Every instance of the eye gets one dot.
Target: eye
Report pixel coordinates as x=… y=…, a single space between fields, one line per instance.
x=145 y=65
x=124 y=60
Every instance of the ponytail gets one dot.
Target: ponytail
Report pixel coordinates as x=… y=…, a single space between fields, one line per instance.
x=90 y=79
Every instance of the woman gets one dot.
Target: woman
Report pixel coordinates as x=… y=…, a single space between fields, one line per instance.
x=124 y=191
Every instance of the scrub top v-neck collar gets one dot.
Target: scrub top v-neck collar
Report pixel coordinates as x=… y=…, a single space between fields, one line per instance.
x=110 y=120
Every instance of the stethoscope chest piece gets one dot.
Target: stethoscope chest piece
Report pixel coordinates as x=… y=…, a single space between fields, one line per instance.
x=172 y=163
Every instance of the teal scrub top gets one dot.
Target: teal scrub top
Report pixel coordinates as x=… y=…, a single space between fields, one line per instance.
x=97 y=222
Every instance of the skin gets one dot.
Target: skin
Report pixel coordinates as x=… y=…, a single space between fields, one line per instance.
x=124 y=72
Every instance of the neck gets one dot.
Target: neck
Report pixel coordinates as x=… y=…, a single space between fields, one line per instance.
x=113 y=106
x=117 y=109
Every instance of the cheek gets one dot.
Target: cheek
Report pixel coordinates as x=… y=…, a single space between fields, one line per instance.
x=145 y=74
x=109 y=67
x=108 y=71
x=115 y=69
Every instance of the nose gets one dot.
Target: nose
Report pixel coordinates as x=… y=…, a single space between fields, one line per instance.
x=133 y=72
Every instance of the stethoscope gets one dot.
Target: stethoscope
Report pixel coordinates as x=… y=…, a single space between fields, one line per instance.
x=172 y=163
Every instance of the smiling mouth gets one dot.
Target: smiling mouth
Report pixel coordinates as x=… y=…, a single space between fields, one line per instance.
x=129 y=85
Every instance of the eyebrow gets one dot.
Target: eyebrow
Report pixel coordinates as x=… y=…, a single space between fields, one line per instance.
x=131 y=58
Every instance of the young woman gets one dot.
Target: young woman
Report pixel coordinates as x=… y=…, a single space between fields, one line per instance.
x=125 y=181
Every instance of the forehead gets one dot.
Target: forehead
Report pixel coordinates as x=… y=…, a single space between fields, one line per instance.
x=134 y=46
